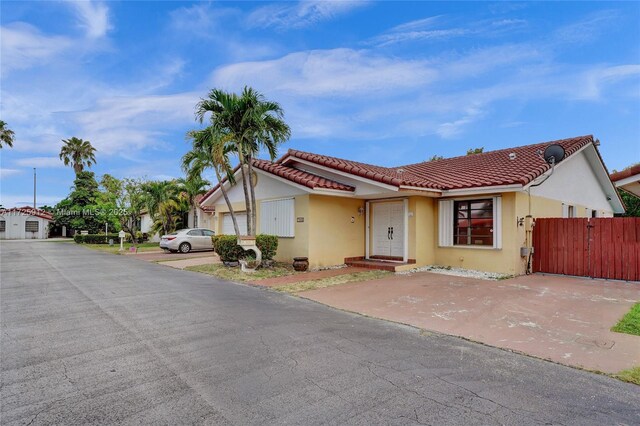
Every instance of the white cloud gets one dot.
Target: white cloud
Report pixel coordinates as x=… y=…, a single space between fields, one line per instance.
x=596 y=80
x=93 y=17
x=300 y=14
x=23 y=46
x=454 y=128
x=26 y=199
x=40 y=162
x=4 y=172
x=123 y=125
x=337 y=72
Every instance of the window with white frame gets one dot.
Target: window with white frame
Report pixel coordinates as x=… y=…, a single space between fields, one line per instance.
x=470 y=223
x=277 y=217
x=31 y=226
x=3 y=225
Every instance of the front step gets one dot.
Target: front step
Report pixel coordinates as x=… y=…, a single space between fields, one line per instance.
x=382 y=265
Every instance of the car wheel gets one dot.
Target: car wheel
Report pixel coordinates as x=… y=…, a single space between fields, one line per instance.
x=185 y=248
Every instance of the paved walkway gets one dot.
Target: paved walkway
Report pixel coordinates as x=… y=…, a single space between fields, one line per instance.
x=563 y=319
x=306 y=276
x=155 y=256
x=193 y=261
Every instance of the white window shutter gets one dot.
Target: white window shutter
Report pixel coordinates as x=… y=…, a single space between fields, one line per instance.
x=565 y=210
x=497 y=222
x=277 y=217
x=445 y=223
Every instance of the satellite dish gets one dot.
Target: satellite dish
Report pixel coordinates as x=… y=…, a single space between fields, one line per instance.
x=554 y=154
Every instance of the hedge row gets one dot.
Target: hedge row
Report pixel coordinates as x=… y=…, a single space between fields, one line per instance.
x=97 y=238
x=229 y=251
x=102 y=239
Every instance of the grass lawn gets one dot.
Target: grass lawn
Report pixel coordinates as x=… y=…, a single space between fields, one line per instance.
x=235 y=274
x=331 y=281
x=630 y=324
x=632 y=375
x=116 y=247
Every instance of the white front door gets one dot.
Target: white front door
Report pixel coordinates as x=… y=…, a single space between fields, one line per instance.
x=388 y=229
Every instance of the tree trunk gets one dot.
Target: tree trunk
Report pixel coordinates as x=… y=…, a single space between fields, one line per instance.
x=247 y=197
x=254 y=226
x=226 y=199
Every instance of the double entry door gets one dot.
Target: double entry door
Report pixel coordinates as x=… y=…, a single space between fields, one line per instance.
x=388 y=229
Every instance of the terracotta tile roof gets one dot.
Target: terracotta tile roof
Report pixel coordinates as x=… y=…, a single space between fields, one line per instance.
x=300 y=177
x=491 y=168
x=631 y=171
x=28 y=211
x=289 y=173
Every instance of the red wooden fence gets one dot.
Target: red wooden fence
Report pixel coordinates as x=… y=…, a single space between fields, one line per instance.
x=595 y=247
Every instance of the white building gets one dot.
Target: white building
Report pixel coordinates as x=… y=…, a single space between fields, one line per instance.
x=20 y=223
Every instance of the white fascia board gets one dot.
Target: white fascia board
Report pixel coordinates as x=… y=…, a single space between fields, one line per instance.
x=608 y=187
x=627 y=180
x=482 y=190
x=341 y=173
x=333 y=192
x=436 y=192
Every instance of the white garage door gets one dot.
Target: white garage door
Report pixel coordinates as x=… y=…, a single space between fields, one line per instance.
x=227 y=224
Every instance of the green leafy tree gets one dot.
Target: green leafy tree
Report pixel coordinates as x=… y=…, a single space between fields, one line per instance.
x=251 y=123
x=436 y=158
x=632 y=204
x=128 y=197
x=77 y=152
x=6 y=135
x=80 y=210
x=472 y=151
x=210 y=149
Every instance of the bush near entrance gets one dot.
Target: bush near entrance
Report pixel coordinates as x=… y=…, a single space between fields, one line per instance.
x=229 y=251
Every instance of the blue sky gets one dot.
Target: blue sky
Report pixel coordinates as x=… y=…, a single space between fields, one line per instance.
x=388 y=83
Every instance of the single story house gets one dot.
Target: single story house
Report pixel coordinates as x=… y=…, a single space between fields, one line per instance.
x=628 y=179
x=20 y=223
x=468 y=211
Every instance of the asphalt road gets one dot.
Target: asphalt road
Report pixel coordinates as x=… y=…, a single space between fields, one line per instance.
x=92 y=338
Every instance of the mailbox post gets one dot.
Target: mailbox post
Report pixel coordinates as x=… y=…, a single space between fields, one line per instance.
x=121 y=234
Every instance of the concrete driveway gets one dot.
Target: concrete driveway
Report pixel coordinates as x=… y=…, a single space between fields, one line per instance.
x=91 y=338
x=563 y=319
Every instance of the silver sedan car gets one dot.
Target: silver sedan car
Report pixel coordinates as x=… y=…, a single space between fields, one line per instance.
x=186 y=240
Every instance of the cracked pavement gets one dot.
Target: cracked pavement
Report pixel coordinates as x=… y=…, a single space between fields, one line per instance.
x=89 y=337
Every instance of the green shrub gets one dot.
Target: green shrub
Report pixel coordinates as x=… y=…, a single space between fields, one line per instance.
x=268 y=245
x=227 y=248
x=229 y=251
x=96 y=238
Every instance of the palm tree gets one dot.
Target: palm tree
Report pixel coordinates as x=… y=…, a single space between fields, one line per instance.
x=190 y=187
x=211 y=150
x=6 y=135
x=78 y=153
x=162 y=202
x=251 y=123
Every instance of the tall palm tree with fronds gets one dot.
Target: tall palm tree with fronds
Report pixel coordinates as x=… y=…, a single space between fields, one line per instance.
x=210 y=149
x=190 y=187
x=77 y=152
x=252 y=123
x=6 y=135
